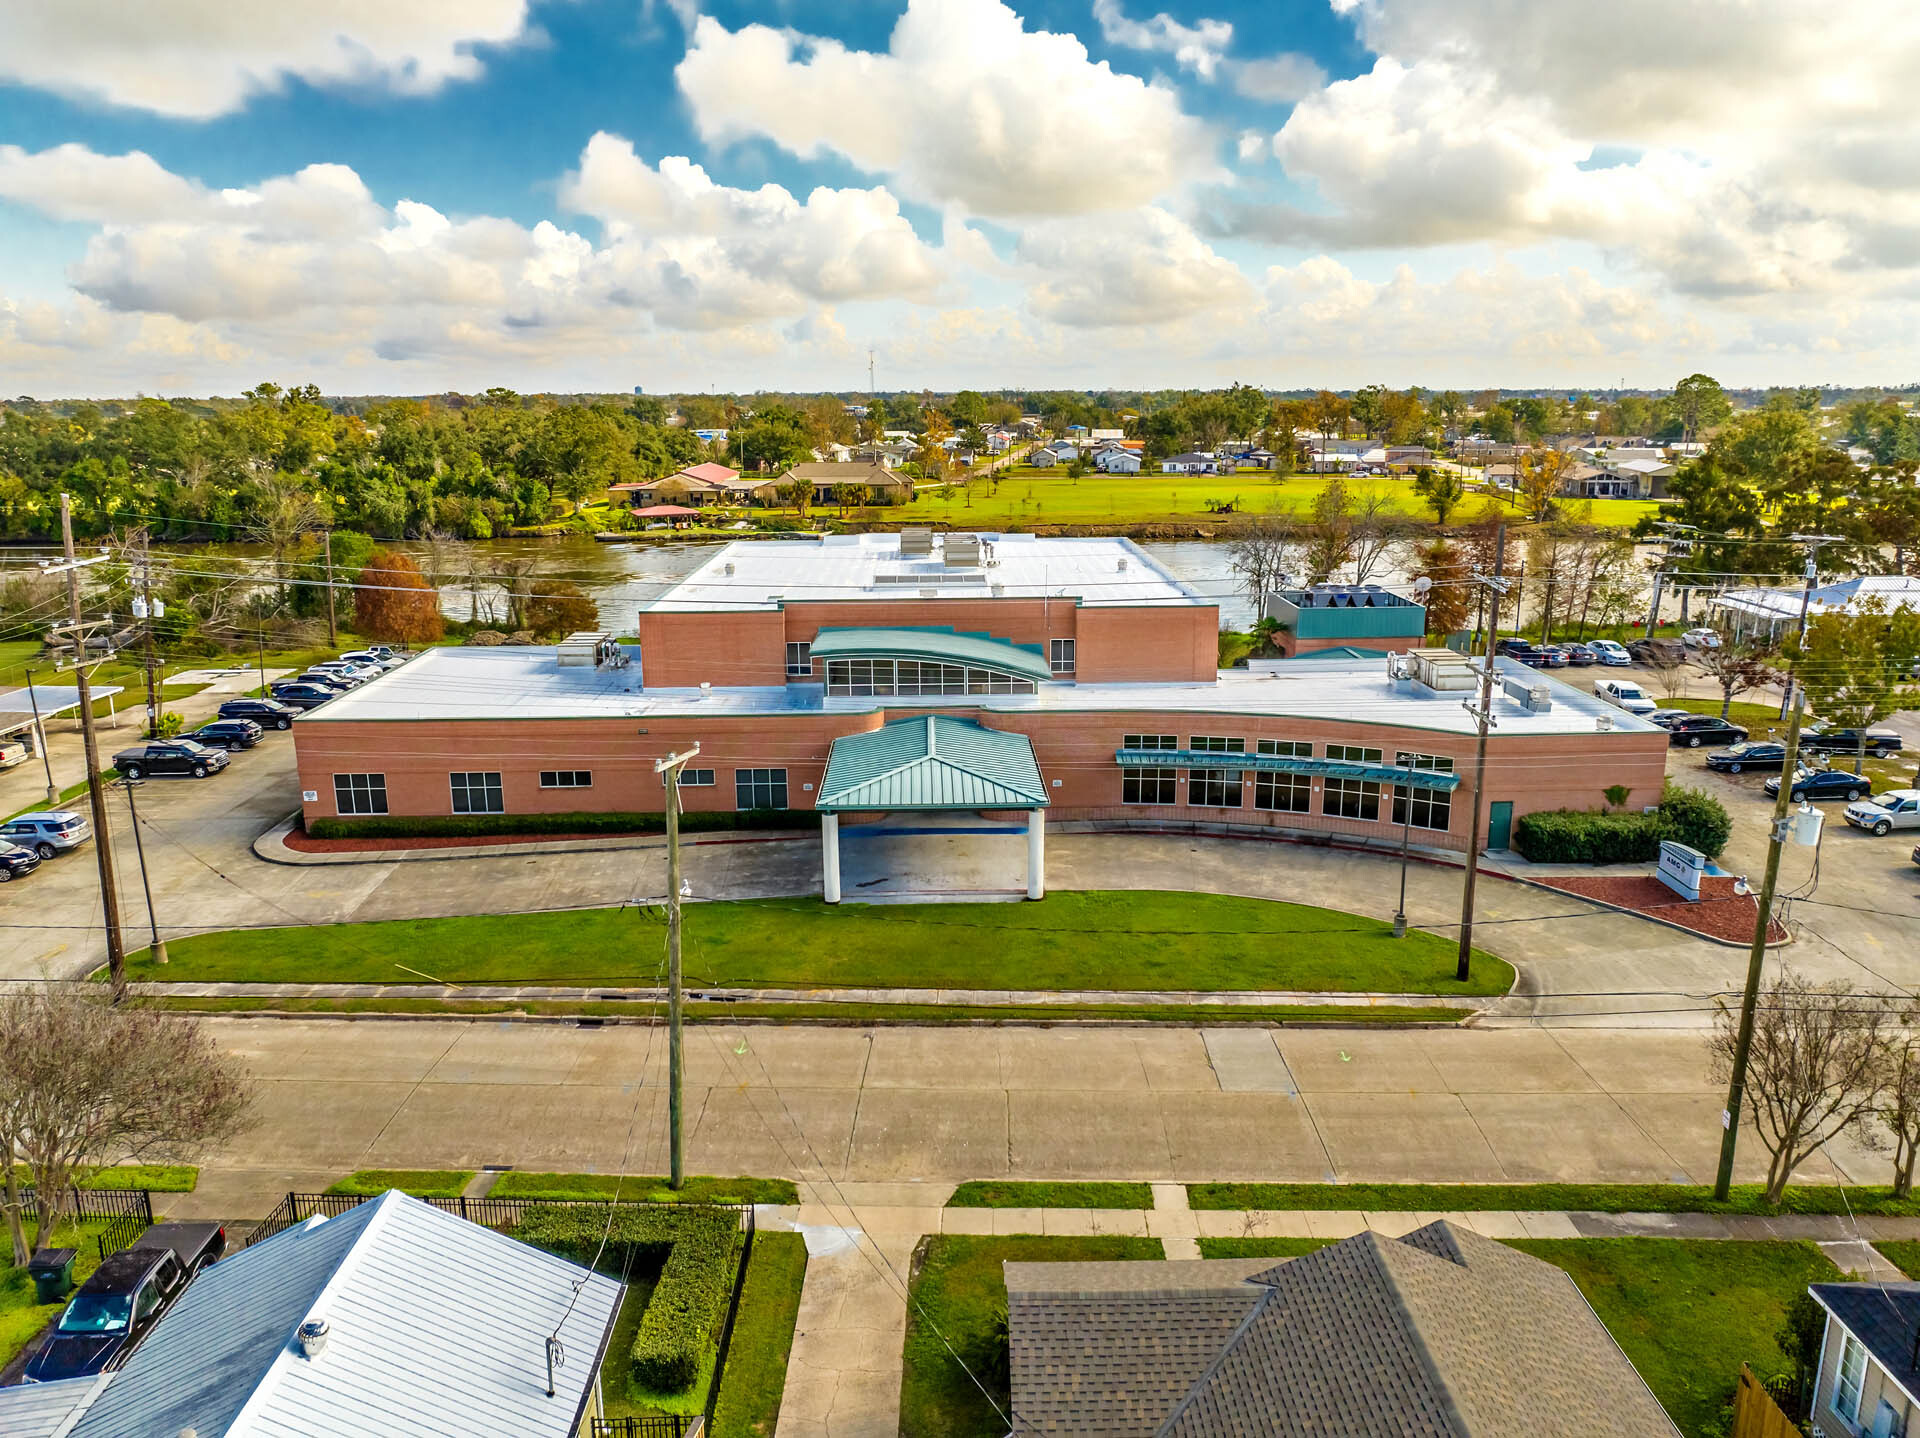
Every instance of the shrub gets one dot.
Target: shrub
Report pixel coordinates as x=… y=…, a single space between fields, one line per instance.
x=680 y=1328
x=1578 y=836
x=1697 y=820
x=465 y=826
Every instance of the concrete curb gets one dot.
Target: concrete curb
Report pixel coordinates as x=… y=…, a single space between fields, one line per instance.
x=271 y=847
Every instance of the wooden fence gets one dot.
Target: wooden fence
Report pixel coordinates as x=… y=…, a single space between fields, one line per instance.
x=1755 y=1414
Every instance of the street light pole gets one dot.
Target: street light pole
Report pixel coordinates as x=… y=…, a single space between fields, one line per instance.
x=1406 y=827
x=40 y=732
x=159 y=944
x=669 y=771
x=1495 y=587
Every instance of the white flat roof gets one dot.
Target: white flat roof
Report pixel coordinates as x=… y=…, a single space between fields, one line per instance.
x=529 y=683
x=761 y=574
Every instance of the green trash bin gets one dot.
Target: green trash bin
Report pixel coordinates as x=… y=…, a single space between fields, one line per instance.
x=52 y=1273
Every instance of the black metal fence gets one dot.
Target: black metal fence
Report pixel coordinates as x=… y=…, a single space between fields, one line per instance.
x=128 y=1213
x=665 y=1426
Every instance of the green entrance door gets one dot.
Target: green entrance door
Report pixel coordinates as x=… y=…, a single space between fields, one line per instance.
x=1499 y=824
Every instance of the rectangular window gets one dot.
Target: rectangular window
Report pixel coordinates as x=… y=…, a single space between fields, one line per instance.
x=1351 y=799
x=1214 y=788
x=1168 y=742
x=696 y=779
x=1212 y=744
x=1423 y=808
x=800 y=661
x=477 y=794
x=566 y=778
x=759 y=788
x=1061 y=656
x=1850 y=1380
x=1149 y=786
x=1353 y=754
x=359 y=793
x=1284 y=793
x=1287 y=748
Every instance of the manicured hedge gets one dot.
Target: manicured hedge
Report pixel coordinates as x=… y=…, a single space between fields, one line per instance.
x=1577 y=836
x=680 y=1328
x=468 y=826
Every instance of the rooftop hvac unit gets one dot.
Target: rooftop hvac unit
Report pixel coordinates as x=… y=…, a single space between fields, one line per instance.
x=962 y=549
x=916 y=543
x=582 y=650
x=1534 y=698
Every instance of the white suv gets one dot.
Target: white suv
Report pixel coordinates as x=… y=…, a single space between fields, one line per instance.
x=1626 y=694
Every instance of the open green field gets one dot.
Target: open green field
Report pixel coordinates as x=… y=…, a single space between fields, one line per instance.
x=1122 y=939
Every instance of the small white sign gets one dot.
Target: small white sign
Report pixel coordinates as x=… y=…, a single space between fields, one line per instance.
x=1680 y=869
x=310 y=796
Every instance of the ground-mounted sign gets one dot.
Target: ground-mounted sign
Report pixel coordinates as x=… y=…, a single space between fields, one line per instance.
x=1681 y=869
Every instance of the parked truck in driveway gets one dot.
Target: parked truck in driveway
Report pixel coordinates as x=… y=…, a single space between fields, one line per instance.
x=127 y=1295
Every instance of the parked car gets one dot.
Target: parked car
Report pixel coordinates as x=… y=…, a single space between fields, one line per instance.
x=232 y=735
x=1580 y=655
x=48 y=831
x=1608 y=651
x=1754 y=754
x=1520 y=649
x=127 y=1295
x=1557 y=657
x=303 y=696
x=1693 y=730
x=267 y=713
x=12 y=752
x=1883 y=813
x=1821 y=784
x=326 y=679
x=373 y=657
x=16 y=861
x=1624 y=693
x=170 y=756
x=1916 y=853
x=359 y=673
x=1665 y=717
x=1820 y=738
x=1701 y=639
x=1656 y=651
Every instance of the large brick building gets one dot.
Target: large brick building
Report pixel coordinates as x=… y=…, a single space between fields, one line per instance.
x=1068 y=675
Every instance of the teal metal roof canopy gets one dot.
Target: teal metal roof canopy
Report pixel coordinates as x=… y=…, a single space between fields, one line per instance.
x=941 y=646
x=933 y=762
x=1442 y=779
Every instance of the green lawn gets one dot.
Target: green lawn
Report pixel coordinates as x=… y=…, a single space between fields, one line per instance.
x=420 y=1182
x=1143 y=939
x=154 y=1177
x=1689 y=1312
x=648 y=1188
x=756 y=1371
x=1550 y=1197
x=956 y=1295
x=1902 y=1253
x=1260 y=1247
x=1011 y=1194
x=1758 y=719
x=20 y=1317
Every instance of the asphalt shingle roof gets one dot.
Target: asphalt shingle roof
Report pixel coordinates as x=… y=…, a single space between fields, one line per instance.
x=1883 y=1316
x=1440 y=1334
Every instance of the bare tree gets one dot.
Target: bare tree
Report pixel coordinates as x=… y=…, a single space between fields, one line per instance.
x=1257 y=554
x=1818 y=1067
x=286 y=512
x=1670 y=672
x=1376 y=525
x=84 y=1083
x=1900 y=1109
x=1739 y=664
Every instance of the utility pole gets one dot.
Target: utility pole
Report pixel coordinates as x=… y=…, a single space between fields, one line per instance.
x=40 y=738
x=260 y=639
x=1756 y=957
x=1672 y=539
x=159 y=949
x=1813 y=543
x=141 y=576
x=96 y=797
x=333 y=631
x=1495 y=586
x=669 y=771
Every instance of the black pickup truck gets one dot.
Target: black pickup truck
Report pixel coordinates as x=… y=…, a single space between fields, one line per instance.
x=127 y=1294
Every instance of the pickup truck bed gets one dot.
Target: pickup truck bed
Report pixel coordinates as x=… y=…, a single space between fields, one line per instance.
x=194 y=1244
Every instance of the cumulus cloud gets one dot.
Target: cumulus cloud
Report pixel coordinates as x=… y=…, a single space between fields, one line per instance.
x=965 y=107
x=1277 y=79
x=1196 y=47
x=199 y=58
x=1145 y=267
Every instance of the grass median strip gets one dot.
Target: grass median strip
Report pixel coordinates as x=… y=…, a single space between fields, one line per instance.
x=1546 y=1197
x=1014 y=1194
x=1212 y=1015
x=1146 y=939
x=420 y=1182
x=643 y=1188
x=756 y=1372
x=154 y=1177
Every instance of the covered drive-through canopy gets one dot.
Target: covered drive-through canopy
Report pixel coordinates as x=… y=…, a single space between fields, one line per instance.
x=17 y=705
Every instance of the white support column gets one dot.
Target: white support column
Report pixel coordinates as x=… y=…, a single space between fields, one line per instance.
x=1036 y=853
x=830 y=856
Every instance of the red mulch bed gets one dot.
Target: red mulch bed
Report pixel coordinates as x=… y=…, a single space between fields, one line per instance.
x=305 y=843
x=1720 y=914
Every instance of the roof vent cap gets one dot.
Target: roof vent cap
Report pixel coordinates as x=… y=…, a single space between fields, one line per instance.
x=313 y=1337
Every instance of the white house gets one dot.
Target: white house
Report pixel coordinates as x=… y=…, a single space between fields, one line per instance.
x=1096 y=435
x=1867 y=1380
x=1117 y=461
x=1190 y=463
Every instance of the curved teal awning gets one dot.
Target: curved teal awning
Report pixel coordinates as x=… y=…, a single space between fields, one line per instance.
x=939 y=646
x=933 y=762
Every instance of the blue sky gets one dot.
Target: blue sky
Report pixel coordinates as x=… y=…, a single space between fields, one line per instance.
x=570 y=193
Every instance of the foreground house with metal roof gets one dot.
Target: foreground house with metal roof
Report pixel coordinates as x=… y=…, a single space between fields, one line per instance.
x=1439 y=1334
x=393 y=1317
x=1072 y=680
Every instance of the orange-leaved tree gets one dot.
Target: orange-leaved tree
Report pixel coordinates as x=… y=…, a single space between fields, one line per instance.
x=394 y=602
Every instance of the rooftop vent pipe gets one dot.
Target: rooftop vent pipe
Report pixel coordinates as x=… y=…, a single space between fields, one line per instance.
x=313 y=1337
x=706 y=689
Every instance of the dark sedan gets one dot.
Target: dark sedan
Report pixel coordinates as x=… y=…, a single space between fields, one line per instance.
x=1579 y=655
x=304 y=696
x=267 y=713
x=16 y=860
x=1758 y=754
x=1692 y=730
x=1656 y=651
x=170 y=756
x=228 y=734
x=1823 y=784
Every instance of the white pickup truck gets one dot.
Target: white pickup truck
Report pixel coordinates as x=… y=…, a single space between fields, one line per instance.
x=12 y=752
x=1626 y=694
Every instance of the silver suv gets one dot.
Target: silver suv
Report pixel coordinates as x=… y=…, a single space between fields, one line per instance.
x=48 y=831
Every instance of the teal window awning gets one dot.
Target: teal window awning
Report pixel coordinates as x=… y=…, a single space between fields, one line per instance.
x=1287 y=764
x=932 y=762
x=940 y=646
